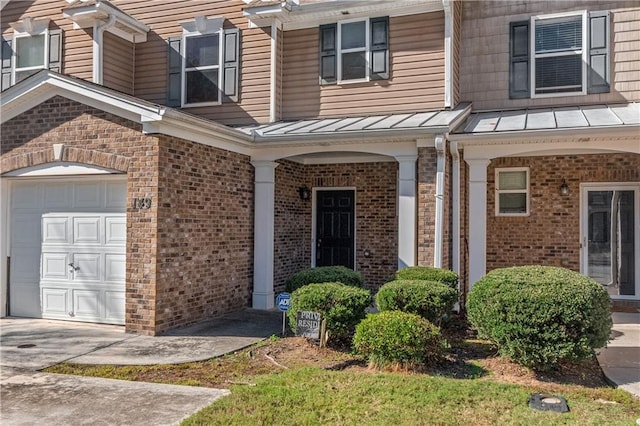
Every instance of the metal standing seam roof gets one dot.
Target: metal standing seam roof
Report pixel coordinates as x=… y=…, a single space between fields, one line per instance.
x=432 y=120
x=554 y=118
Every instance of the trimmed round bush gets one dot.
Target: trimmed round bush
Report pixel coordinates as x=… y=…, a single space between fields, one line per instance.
x=324 y=274
x=541 y=315
x=428 y=273
x=341 y=305
x=431 y=300
x=397 y=338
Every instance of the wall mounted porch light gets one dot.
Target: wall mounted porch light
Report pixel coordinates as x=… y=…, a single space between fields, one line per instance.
x=304 y=192
x=564 y=188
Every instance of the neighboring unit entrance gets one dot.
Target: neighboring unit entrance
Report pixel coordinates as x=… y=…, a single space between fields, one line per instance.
x=335 y=228
x=611 y=237
x=68 y=254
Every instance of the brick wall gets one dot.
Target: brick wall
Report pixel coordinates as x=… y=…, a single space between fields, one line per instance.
x=550 y=235
x=426 y=205
x=376 y=219
x=190 y=256
x=205 y=232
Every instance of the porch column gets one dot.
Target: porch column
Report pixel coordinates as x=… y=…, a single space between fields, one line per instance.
x=407 y=218
x=263 y=296
x=477 y=218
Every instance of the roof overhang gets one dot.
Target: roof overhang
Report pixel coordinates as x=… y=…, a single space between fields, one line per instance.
x=98 y=12
x=294 y=16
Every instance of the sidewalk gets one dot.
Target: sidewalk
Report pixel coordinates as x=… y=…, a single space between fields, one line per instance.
x=620 y=361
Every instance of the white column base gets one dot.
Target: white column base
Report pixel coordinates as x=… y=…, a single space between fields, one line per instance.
x=264 y=301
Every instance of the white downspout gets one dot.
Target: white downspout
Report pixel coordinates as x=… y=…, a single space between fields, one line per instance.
x=273 y=82
x=448 y=54
x=441 y=168
x=98 y=51
x=455 y=207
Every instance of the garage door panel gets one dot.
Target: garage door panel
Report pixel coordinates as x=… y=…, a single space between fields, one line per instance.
x=25 y=264
x=116 y=195
x=86 y=304
x=87 y=266
x=26 y=195
x=115 y=306
x=116 y=230
x=55 y=230
x=56 y=195
x=25 y=231
x=87 y=195
x=55 y=266
x=86 y=230
x=115 y=267
x=55 y=302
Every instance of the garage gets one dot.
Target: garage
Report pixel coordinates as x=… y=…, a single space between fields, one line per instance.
x=68 y=248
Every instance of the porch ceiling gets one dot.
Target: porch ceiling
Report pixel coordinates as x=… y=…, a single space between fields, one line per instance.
x=549 y=119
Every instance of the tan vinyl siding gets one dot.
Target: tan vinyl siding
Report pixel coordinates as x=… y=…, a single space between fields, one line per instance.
x=151 y=57
x=77 y=50
x=118 y=63
x=416 y=46
x=485 y=52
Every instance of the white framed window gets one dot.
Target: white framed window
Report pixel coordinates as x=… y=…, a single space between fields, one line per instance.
x=559 y=54
x=201 y=76
x=512 y=191
x=31 y=54
x=353 y=51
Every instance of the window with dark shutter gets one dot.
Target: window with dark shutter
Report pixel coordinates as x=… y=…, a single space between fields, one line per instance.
x=598 y=53
x=174 y=72
x=379 y=59
x=231 y=64
x=519 y=86
x=6 y=53
x=328 y=65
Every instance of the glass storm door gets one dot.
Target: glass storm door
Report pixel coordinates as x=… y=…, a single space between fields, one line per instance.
x=610 y=237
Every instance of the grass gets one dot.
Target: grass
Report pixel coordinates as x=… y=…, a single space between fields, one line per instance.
x=314 y=396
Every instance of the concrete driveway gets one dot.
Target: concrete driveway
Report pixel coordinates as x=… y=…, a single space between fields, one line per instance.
x=28 y=396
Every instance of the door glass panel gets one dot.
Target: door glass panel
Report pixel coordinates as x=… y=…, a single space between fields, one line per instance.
x=611 y=245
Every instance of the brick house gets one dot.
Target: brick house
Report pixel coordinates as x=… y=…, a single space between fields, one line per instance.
x=159 y=170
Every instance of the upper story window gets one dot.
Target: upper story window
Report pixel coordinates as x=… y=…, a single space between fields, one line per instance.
x=354 y=51
x=559 y=55
x=203 y=64
x=33 y=47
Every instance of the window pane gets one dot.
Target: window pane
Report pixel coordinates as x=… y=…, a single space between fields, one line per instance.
x=512 y=180
x=353 y=35
x=353 y=65
x=555 y=36
x=30 y=51
x=559 y=72
x=202 y=51
x=513 y=203
x=202 y=86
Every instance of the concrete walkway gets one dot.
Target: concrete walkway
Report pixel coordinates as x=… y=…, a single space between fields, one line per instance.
x=28 y=396
x=620 y=361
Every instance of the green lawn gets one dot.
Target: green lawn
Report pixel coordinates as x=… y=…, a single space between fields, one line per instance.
x=314 y=396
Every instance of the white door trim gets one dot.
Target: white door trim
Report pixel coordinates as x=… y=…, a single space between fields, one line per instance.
x=584 y=221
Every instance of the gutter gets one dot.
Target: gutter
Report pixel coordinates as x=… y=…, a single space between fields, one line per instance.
x=98 y=51
x=515 y=135
x=441 y=166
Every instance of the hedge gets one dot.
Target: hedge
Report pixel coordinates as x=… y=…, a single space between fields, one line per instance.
x=431 y=300
x=541 y=315
x=428 y=273
x=324 y=274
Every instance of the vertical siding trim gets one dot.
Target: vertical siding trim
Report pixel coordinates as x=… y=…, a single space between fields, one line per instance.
x=448 y=54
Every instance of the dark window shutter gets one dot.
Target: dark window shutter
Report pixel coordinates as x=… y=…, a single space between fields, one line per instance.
x=7 y=57
x=328 y=65
x=55 y=50
x=174 y=72
x=519 y=64
x=598 y=54
x=379 y=48
x=231 y=64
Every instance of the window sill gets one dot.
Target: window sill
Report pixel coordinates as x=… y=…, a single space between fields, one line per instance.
x=201 y=104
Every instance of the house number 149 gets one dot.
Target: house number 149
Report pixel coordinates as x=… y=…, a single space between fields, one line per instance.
x=141 y=203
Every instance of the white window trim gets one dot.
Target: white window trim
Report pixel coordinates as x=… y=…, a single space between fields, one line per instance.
x=14 y=60
x=499 y=191
x=532 y=50
x=340 y=51
x=183 y=88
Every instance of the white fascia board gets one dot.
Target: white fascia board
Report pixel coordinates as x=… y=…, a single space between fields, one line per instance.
x=347 y=137
x=128 y=27
x=385 y=148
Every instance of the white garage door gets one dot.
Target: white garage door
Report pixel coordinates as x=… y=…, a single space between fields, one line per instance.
x=68 y=249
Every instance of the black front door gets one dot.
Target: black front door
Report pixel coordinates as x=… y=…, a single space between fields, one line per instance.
x=335 y=228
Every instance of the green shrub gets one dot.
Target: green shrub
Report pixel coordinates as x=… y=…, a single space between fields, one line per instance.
x=341 y=305
x=428 y=273
x=431 y=300
x=539 y=316
x=324 y=274
x=397 y=338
